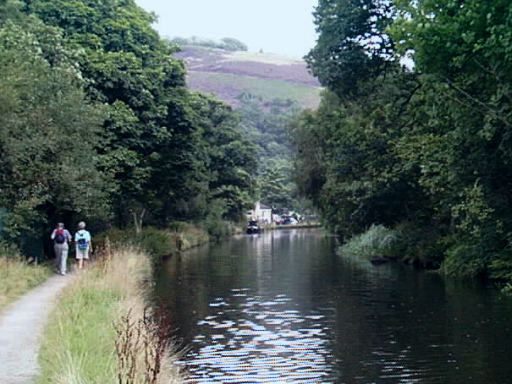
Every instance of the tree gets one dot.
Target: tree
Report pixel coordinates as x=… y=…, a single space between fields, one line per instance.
x=461 y=50
x=48 y=131
x=154 y=136
x=96 y=119
x=424 y=150
x=352 y=45
x=267 y=124
x=231 y=44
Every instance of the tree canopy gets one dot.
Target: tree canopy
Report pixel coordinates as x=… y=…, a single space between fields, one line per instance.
x=96 y=123
x=424 y=150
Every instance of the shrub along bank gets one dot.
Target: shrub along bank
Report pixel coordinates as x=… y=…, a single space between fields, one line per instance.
x=101 y=332
x=378 y=243
x=158 y=243
x=161 y=243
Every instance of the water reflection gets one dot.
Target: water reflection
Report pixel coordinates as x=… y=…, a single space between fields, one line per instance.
x=282 y=307
x=259 y=340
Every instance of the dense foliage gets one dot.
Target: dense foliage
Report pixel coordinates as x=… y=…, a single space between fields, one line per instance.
x=425 y=150
x=96 y=124
x=267 y=124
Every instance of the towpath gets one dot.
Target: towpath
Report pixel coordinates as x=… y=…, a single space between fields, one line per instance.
x=21 y=327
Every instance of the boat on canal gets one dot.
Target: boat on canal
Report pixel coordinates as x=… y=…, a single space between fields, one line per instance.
x=253 y=227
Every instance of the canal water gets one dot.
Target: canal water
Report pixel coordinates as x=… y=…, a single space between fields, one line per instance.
x=281 y=307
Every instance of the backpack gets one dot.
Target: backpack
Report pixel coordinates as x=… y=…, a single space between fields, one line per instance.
x=60 y=236
x=82 y=241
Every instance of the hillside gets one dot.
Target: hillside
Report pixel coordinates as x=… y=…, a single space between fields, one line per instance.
x=230 y=74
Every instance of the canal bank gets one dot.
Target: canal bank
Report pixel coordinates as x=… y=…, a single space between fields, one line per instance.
x=292 y=226
x=101 y=330
x=283 y=305
x=82 y=341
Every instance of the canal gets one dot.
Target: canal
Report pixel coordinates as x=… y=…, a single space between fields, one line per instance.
x=281 y=307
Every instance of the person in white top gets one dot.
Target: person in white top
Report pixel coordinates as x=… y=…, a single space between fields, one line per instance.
x=83 y=245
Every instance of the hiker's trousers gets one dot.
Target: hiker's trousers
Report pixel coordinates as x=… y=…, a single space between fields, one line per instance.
x=61 y=256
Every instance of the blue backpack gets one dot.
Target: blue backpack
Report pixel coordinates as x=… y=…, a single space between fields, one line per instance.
x=82 y=241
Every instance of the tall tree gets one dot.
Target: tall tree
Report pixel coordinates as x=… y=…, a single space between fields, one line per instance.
x=352 y=45
x=48 y=133
x=154 y=135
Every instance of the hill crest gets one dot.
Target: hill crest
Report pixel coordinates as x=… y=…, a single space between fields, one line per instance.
x=228 y=74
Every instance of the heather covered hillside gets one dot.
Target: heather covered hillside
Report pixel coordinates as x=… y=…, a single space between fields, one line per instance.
x=229 y=74
x=268 y=92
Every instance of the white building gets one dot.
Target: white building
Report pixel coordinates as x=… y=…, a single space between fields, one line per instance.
x=261 y=213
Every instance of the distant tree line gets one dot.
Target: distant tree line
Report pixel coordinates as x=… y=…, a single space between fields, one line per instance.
x=96 y=124
x=227 y=43
x=424 y=150
x=267 y=125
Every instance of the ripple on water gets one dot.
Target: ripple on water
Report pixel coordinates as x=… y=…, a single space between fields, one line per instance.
x=268 y=342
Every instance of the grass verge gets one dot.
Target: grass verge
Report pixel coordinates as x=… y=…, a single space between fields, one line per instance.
x=17 y=277
x=83 y=332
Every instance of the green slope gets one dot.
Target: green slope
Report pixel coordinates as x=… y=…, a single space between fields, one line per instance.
x=228 y=86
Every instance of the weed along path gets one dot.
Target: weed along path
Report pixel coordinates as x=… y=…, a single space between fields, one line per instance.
x=21 y=326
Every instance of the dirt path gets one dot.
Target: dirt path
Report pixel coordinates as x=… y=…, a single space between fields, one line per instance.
x=21 y=326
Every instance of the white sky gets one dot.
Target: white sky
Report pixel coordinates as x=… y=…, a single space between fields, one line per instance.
x=277 y=26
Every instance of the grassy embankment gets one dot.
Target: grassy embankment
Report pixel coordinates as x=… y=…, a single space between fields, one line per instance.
x=80 y=341
x=104 y=306
x=16 y=276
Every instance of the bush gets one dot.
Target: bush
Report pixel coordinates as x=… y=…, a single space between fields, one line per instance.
x=157 y=243
x=376 y=242
x=9 y=251
x=115 y=236
x=422 y=245
x=464 y=260
x=507 y=289
x=219 y=228
x=192 y=237
x=214 y=223
x=179 y=226
x=500 y=267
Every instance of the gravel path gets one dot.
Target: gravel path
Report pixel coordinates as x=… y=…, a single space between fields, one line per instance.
x=21 y=326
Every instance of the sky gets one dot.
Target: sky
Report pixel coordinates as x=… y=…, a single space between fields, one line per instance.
x=276 y=26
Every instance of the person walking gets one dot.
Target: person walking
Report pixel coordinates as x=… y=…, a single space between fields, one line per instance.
x=61 y=238
x=83 y=245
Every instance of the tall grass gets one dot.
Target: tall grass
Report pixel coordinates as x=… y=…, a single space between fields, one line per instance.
x=80 y=341
x=376 y=242
x=16 y=276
